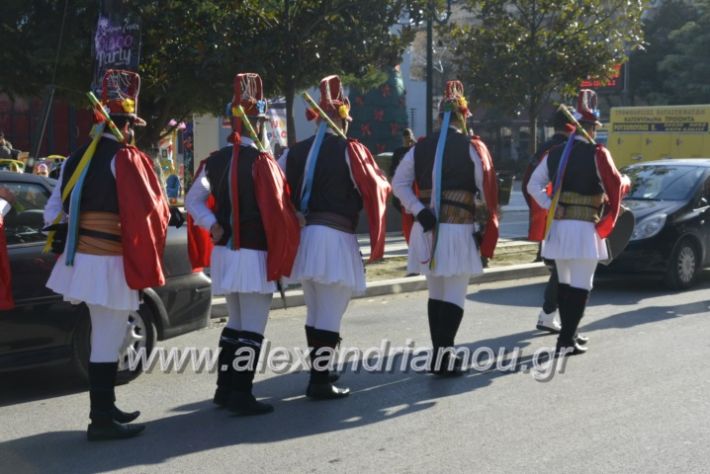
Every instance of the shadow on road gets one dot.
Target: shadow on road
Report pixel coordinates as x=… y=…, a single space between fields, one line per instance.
x=198 y=427
x=24 y=386
x=606 y=291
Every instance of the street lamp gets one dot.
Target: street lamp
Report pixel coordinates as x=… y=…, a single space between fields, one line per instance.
x=431 y=16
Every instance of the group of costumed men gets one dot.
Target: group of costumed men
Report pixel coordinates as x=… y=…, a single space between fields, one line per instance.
x=258 y=223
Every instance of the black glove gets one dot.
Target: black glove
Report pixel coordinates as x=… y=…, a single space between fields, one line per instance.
x=176 y=217
x=60 y=236
x=427 y=219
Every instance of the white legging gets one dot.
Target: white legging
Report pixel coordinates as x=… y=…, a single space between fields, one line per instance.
x=450 y=289
x=577 y=273
x=108 y=331
x=248 y=311
x=325 y=304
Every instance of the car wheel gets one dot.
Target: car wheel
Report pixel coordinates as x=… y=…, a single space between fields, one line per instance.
x=140 y=336
x=683 y=265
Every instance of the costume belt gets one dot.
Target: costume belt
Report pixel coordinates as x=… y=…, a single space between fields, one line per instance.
x=99 y=233
x=331 y=219
x=457 y=206
x=579 y=207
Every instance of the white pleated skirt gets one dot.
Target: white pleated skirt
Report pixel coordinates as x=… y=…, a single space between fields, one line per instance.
x=570 y=239
x=329 y=256
x=456 y=251
x=94 y=279
x=239 y=271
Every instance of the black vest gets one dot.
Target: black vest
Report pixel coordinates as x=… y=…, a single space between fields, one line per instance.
x=458 y=171
x=251 y=228
x=581 y=173
x=333 y=189
x=99 y=190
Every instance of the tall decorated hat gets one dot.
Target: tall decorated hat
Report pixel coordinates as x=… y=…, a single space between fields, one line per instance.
x=249 y=93
x=587 y=111
x=119 y=93
x=454 y=99
x=333 y=100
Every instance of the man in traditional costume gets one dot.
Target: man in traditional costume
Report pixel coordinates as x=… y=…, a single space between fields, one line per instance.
x=408 y=142
x=332 y=178
x=116 y=222
x=241 y=198
x=449 y=168
x=586 y=200
x=549 y=317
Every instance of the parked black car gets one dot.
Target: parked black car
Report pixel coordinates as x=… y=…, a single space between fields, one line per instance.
x=43 y=329
x=669 y=199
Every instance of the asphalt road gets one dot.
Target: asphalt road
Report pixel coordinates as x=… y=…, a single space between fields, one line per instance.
x=637 y=402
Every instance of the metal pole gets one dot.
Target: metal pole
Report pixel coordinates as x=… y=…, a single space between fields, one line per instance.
x=50 y=95
x=429 y=69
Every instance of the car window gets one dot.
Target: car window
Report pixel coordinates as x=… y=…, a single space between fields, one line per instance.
x=24 y=221
x=672 y=183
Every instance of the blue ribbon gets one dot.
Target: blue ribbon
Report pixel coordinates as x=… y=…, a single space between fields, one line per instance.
x=439 y=160
x=74 y=213
x=563 y=164
x=231 y=198
x=74 y=206
x=311 y=167
x=438 y=167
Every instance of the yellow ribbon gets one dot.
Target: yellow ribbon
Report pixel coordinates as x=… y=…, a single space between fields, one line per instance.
x=83 y=163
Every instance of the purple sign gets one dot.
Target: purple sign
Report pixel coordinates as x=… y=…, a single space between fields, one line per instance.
x=117 y=42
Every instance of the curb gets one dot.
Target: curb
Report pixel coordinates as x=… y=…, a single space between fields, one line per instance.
x=295 y=298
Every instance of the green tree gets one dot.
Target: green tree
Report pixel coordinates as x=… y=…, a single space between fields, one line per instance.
x=309 y=39
x=519 y=53
x=193 y=48
x=647 y=82
x=685 y=70
x=191 y=51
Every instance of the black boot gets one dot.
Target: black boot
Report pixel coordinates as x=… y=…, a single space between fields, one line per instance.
x=227 y=345
x=445 y=327
x=319 y=385
x=332 y=376
x=105 y=373
x=104 y=425
x=241 y=401
x=572 y=304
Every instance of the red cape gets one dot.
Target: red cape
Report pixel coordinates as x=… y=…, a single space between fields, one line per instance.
x=6 y=301
x=374 y=190
x=144 y=216
x=538 y=215
x=199 y=242
x=490 y=192
x=615 y=187
x=278 y=215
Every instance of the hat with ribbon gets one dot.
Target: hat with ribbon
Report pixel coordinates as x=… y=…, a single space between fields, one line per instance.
x=249 y=93
x=587 y=111
x=454 y=99
x=333 y=100
x=119 y=93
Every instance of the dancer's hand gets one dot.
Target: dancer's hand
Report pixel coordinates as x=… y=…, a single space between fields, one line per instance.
x=301 y=219
x=427 y=219
x=216 y=232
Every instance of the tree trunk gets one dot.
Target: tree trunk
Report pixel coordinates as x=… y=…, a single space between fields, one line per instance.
x=532 y=129
x=290 y=121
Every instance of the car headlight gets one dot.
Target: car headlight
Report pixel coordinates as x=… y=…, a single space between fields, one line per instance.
x=649 y=227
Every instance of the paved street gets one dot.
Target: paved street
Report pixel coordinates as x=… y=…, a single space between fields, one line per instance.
x=637 y=402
